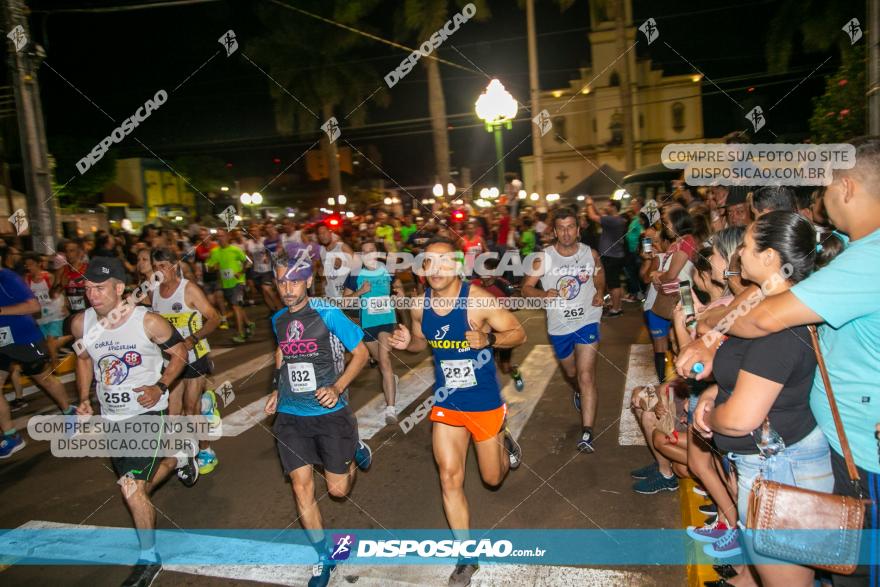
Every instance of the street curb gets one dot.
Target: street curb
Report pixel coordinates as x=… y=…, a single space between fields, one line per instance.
x=691 y=516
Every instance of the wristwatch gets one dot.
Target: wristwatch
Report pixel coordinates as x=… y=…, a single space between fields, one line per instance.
x=162 y=386
x=491 y=338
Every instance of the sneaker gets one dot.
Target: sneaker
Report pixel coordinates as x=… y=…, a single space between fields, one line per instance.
x=614 y=313
x=143 y=574
x=363 y=455
x=725 y=547
x=207 y=461
x=390 y=415
x=461 y=576
x=224 y=325
x=11 y=444
x=725 y=571
x=700 y=491
x=629 y=298
x=70 y=411
x=17 y=404
x=373 y=363
x=585 y=444
x=209 y=408
x=249 y=328
x=321 y=573
x=656 y=484
x=518 y=382
x=188 y=473
x=645 y=471
x=514 y=450
x=709 y=509
x=709 y=532
x=239 y=338
x=576 y=400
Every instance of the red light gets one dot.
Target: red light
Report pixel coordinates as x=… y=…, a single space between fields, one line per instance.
x=751 y=89
x=333 y=222
x=276 y=161
x=229 y=166
x=458 y=215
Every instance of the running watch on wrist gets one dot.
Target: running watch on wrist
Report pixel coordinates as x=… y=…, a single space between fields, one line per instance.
x=162 y=386
x=491 y=338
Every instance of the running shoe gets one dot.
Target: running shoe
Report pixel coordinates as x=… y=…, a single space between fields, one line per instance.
x=188 y=472
x=700 y=491
x=576 y=400
x=209 y=407
x=11 y=444
x=656 y=484
x=725 y=571
x=461 y=576
x=709 y=532
x=249 y=329
x=631 y=299
x=70 y=411
x=390 y=415
x=725 y=547
x=373 y=363
x=514 y=450
x=224 y=325
x=363 y=455
x=143 y=574
x=17 y=404
x=614 y=313
x=321 y=573
x=585 y=443
x=518 y=382
x=207 y=461
x=239 y=338
x=645 y=471
x=710 y=509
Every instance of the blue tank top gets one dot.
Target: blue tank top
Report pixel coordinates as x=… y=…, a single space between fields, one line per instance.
x=465 y=378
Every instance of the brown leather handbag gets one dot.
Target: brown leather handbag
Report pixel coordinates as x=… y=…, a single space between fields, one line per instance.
x=805 y=526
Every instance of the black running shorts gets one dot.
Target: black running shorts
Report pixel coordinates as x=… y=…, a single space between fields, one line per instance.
x=33 y=357
x=141 y=468
x=329 y=440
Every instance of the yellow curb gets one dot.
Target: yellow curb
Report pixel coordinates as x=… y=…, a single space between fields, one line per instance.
x=691 y=516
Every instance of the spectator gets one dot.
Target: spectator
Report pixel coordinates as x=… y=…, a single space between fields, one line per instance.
x=611 y=248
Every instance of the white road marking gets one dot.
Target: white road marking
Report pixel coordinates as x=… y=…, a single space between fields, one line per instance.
x=640 y=371
x=369 y=575
x=371 y=417
x=537 y=369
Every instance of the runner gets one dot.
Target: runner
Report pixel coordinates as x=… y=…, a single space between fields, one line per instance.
x=141 y=388
x=374 y=285
x=52 y=307
x=210 y=277
x=187 y=308
x=231 y=261
x=571 y=274
x=468 y=404
x=22 y=342
x=314 y=425
x=70 y=275
x=335 y=266
x=473 y=245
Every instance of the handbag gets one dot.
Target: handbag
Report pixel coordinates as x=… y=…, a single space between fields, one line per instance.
x=776 y=510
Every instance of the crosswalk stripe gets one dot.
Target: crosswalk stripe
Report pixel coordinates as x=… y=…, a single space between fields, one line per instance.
x=371 y=417
x=369 y=575
x=639 y=371
x=536 y=372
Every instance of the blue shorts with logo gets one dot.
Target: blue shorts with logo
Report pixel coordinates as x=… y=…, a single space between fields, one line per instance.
x=657 y=326
x=563 y=344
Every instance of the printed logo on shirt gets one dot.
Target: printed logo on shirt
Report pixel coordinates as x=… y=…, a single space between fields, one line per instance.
x=295 y=344
x=176 y=307
x=568 y=287
x=441 y=333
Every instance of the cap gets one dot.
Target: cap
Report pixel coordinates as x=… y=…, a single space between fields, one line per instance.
x=299 y=262
x=101 y=269
x=737 y=194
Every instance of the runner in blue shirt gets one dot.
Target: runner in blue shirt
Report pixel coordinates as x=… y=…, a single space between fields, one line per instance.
x=373 y=285
x=315 y=424
x=22 y=342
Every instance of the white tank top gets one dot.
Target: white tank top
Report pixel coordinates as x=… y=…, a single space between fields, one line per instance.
x=185 y=319
x=259 y=255
x=572 y=277
x=124 y=358
x=335 y=276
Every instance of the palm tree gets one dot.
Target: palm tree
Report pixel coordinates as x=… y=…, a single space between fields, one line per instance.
x=315 y=71
x=421 y=18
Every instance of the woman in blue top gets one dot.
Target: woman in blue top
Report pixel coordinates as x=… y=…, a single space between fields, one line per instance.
x=373 y=285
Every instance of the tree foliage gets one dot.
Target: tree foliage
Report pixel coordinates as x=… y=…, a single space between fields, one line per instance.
x=70 y=186
x=839 y=114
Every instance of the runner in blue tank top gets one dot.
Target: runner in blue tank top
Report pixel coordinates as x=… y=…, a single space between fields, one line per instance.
x=462 y=323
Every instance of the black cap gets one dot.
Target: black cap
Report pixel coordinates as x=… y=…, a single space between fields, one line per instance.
x=101 y=269
x=737 y=194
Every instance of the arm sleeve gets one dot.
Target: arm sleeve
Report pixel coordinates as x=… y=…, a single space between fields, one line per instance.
x=848 y=288
x=776 y=356
x=337 y=323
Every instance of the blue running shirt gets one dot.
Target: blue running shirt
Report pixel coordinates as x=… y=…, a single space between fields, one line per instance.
x=313 y=342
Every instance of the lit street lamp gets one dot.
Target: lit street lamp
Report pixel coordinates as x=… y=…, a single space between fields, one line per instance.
x=342 y=199
x=450 y=189
x=437 y=190
x=497 y=108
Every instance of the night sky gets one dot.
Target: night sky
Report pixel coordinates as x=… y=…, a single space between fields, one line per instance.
x=118 y=60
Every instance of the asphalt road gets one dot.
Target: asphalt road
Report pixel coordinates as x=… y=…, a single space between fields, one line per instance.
x=555 y=488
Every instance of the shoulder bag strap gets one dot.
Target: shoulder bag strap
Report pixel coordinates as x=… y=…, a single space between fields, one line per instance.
x=838 y=424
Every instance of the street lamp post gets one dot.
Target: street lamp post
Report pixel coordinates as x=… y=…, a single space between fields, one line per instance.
x=497 y=108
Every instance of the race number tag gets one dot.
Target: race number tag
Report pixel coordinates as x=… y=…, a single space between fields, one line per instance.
x=117 y=401
x=6 y=336
x=227 y=274
x=573 y=314
x=459 y=373
x=379 y=305
x=77 y=302
x=302 y=377
x=43 y=297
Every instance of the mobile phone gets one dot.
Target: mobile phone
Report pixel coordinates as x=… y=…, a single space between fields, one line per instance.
x=687 y=300
x=647 y=245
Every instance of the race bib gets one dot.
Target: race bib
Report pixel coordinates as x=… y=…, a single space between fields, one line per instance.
x=459 y=373
x=302 y=377
x=379 y=305
x=6 y=336
x=77 y=302
x=227 y=274
x=43 y=297
x=574 y=314
x=119 y=401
